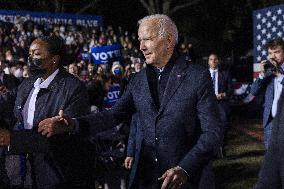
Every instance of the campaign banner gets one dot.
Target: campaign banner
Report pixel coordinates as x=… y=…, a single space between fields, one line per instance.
x=86 y=56
x=53 y=18
x=104 y=54
x=112 y=96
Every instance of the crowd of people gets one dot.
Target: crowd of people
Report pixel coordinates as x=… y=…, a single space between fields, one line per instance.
x=62 y=116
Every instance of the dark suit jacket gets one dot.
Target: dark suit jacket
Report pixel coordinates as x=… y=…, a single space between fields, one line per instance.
x=10 y=82
x=265 y=85
x=56 y=160
x=6 y=105
x=224 y=86
x=134 y=145
x=272 y=173
x=185 y=131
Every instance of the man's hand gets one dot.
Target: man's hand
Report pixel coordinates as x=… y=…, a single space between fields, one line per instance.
x=4 y=137
x=174 y=178
x=128 y=162
x=221 y=96
x=56 y=125
x=3 y=89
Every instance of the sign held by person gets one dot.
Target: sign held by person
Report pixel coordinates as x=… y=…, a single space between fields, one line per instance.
x=104 y=54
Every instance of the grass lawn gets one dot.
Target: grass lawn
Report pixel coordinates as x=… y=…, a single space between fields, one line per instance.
x=244 y=155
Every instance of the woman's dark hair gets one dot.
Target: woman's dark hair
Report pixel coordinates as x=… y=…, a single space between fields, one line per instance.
x=56 y=46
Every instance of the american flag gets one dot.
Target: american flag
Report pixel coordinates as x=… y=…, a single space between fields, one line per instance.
x=268 y=24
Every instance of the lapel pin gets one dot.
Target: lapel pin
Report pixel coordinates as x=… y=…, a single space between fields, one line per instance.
x=178 y=75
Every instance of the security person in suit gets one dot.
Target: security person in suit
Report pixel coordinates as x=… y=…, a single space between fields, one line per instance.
x=55 y=162
x=176 y=109
x=270 y=81
x=222 y=84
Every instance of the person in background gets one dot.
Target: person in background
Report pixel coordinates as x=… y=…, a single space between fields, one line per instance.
x=270 y=81
x=91 y=71
x=8 y=83
x=73 y=69
x=26 y=71
x=272 y=171
x=222 y=85
x=17 y=69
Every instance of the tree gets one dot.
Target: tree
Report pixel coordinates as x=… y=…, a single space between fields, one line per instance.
x=59 y=6
x=168 y=7
x=87 y=6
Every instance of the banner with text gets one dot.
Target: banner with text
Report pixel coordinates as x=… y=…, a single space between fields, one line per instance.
x=53 y=18
x=104 y=54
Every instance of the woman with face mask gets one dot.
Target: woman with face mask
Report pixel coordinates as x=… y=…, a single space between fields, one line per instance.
x=56 y=162
x=18 y=73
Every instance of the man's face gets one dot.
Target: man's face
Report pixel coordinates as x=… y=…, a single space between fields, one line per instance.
x=277 y=54
x=213 y=61
x=91 y=68
x=73 y=69
x=154 y=48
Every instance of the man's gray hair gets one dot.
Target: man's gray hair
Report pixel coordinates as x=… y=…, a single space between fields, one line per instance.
x=165 y=25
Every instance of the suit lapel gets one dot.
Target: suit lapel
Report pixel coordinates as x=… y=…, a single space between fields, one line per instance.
x=271 y=90
x=220 y=79
x=28 y=88
x=146 y=91
x=176 y=77
x=4 y=79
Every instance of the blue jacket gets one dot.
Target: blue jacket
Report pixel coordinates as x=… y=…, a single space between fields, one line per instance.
x=272 y=172
x=224 y=86
x=265 y=85
x=185 y=131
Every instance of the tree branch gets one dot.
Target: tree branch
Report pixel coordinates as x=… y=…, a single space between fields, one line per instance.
x=143 y=2
x=166 y=7
x=153 y=7
x=86 y=7
x=178 y=7
x=148 y=6
x=157 y=4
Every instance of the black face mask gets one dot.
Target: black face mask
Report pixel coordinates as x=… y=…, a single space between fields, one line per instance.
x=34 y=65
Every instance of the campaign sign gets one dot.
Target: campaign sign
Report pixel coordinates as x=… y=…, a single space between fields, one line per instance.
x=86 y=56
x=104 y=54
x=112 y=96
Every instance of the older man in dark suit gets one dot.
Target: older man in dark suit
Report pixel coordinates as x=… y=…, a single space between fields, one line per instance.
x=176 y=108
